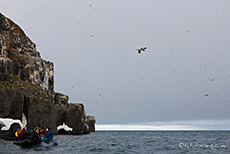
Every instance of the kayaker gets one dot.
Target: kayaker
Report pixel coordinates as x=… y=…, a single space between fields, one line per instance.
x=37 y=134
x=16 y=133
x=49 y=135
x=20 y=134
x=46 y=130
x=37 y=129
x=29 y=134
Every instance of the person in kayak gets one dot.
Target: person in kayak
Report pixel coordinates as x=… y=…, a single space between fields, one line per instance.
x=49 y=135
x=17 y=134
x=37 y=134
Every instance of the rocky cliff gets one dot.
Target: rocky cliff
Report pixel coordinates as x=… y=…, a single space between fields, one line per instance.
x=27 y=85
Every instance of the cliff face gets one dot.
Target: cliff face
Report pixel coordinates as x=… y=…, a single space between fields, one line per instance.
x=27 y=85
x=19 y=56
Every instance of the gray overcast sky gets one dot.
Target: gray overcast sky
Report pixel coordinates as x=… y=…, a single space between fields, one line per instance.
x=93 y=46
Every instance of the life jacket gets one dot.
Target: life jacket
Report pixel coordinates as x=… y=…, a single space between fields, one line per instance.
x=37 y=130
x=20 y=133
x=49 y=135
x=16 y=133
x=45 y=133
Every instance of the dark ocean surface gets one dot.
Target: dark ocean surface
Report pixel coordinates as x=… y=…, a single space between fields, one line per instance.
x=132 y=142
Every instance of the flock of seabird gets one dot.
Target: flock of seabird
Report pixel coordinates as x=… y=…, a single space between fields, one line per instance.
x=143 y=49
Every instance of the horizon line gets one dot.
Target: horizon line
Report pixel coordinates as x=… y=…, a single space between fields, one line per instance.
x=198 y=125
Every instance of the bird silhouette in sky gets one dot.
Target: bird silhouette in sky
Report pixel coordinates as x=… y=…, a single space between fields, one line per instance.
x=141 y=49
x=206 y=95
x=212 y=79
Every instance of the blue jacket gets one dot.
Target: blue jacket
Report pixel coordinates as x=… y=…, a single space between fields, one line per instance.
x=49 y=135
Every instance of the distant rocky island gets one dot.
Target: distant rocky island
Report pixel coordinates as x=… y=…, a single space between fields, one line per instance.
x=27 y=88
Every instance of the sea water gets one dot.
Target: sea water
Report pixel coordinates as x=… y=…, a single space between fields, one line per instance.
x=130 y=142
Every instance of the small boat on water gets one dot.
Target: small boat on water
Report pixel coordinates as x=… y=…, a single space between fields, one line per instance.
x=29 y=138
x=31 y=142
x=27 y=142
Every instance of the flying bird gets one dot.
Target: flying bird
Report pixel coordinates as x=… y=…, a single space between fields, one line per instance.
x=206 y=95
x=187 y=31
x=212 y=79
x=141 y=49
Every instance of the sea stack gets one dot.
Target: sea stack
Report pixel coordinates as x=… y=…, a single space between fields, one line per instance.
x=27 y=86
